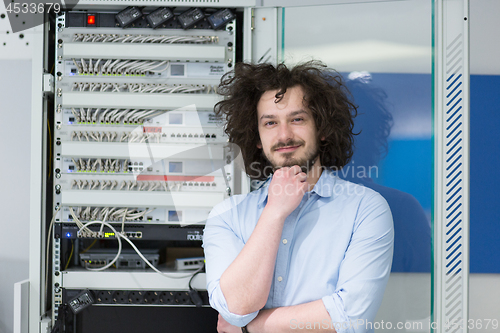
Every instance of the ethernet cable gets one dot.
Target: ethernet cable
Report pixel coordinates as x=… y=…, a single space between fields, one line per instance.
x=80 y=225
x=115 y=38
x=130 y=114
x=89 y=113
x=75 y=114
x=93 y=136
x=96 y=66
x=111 y=114
x=82 y=114
x=124 y=136
x=117 y=235
x=96 y=184
x=79 y=68
x=145 y=137
x=95 y=211
x=120 y=236
x=95 y=115
x=84 y=65
x=123 y=220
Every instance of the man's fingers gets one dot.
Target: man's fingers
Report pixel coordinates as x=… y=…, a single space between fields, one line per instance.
x=295 y=169
x=302 y=176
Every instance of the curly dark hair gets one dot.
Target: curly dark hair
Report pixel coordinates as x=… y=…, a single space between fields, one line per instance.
x=325 y=95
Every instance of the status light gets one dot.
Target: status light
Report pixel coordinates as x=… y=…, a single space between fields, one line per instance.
x=91 y=19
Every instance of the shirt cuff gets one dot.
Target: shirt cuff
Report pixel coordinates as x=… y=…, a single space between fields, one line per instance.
x=340 y=321
x=218 y=302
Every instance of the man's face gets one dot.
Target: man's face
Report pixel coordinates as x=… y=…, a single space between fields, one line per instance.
x=287 y=130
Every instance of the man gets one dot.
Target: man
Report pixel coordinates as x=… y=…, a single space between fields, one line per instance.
x=306 y=251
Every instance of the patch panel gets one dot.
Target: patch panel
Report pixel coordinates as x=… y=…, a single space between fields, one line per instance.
x=103 y=165
x=133 y=185
x=143 y=215
x=176 y=118
x=142 y=88
x=164 y=170
x=175 y=71
x=139 y=38
x=111 y=214
x=139 y=136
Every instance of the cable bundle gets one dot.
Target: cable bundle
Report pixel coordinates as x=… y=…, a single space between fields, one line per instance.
x=142 y=87
x=120 y=66
x=99 y=164
x=112 y=116
x=83 y=184
x=116 y=38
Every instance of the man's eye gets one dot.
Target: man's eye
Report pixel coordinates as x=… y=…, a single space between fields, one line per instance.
x=298 y=119
x=270 y=123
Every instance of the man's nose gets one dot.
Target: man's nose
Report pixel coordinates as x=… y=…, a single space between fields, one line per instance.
x=285 y=132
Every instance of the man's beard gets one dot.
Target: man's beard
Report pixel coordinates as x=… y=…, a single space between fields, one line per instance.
x=305 y=163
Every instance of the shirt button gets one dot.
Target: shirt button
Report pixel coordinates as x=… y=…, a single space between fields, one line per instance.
x=280 y=278
x=285 y=241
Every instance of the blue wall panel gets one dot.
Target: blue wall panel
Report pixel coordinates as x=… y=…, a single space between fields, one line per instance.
x=484 y=174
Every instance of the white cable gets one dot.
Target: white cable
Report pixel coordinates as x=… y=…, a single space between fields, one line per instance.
x=97 y=183
x=123 y=220
x=141 y=119
x=96 y=66
x=77 y=221
x=84 y=65
x=116 y=118
x=77 y=66
x=117 y=235
x=130 y=114
x=124 y=136
x=153 y=267
x=154 y=70
x=139 y=214
x=92 y=135
x=146 y=114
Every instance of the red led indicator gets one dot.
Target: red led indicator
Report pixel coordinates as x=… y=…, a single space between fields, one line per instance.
x=91 y=19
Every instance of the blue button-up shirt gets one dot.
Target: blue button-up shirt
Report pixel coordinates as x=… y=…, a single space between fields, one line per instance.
x=337 y=246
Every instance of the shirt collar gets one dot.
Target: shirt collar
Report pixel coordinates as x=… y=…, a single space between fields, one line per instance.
x=324 y=186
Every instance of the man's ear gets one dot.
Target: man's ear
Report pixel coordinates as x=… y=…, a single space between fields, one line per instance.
x=323 y=138
x=259 y=145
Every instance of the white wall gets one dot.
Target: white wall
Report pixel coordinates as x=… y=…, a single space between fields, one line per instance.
x=484 y=45
x=15 y=109
x=15 y=93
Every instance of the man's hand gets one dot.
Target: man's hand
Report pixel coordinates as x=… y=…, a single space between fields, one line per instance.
x=224 y=327
x=287 y=189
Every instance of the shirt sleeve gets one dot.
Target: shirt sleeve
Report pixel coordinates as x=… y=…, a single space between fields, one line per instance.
x=365 y=269
x=222 y=245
